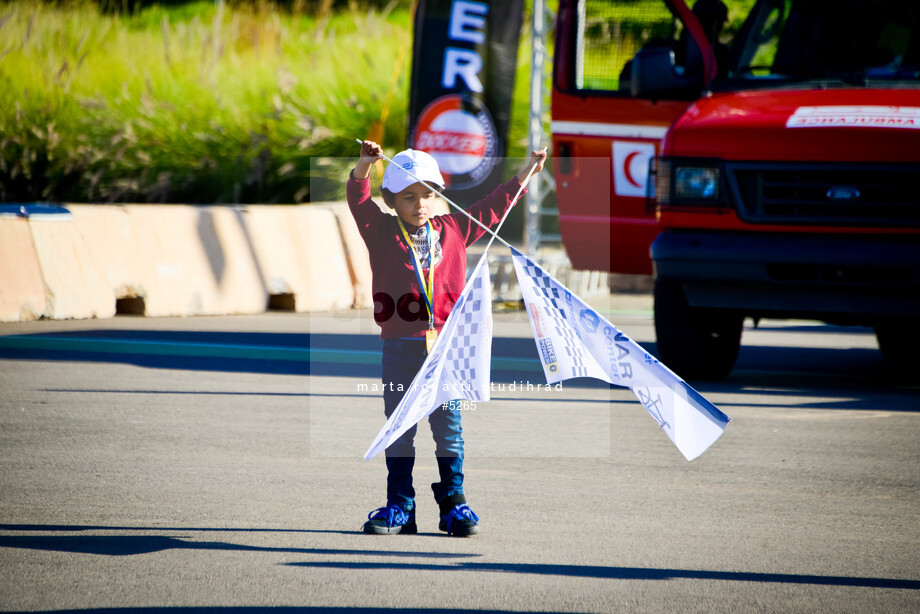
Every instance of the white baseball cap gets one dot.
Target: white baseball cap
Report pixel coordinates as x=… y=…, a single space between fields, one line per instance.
x=419 y=163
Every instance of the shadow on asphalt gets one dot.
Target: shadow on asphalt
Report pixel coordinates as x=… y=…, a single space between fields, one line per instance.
x=38 y=528
x=128 y=545
x=628 y=573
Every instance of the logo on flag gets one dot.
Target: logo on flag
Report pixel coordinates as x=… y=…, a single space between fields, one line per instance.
x=598 y=349
x=458 y=366
x=589 y=321
x=535 y=318
x=549 y=356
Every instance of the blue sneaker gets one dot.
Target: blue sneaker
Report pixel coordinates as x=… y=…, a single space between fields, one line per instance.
x=457 y=518
x=391 y=520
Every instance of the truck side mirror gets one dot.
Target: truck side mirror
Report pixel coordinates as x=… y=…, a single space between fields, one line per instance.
x=656 y=75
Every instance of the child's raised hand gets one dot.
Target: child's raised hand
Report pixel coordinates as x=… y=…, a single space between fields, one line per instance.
x=370 y=153
x=536 y=162
x=538 y=157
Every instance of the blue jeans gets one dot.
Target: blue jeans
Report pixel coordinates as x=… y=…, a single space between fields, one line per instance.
x=402 y=360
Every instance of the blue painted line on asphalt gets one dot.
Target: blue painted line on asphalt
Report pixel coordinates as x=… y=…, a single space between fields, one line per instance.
x=223 y=350
x=140 y=346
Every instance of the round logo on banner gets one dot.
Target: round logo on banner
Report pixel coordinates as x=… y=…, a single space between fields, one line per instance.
x=459 y=133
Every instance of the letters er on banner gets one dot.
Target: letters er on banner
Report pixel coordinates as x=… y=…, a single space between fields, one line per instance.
x=463 y=63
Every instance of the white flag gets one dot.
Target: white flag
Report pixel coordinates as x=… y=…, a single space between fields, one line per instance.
x=573 y=340
x=458 y=367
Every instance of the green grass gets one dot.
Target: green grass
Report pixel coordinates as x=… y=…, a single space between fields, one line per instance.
x=194 y=104
x=201 y=103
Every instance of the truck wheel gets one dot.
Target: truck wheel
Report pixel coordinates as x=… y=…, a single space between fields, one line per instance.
x=695 y=343
x=899 y=340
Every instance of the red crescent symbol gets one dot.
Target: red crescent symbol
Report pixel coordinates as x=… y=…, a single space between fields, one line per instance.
x=627 y=163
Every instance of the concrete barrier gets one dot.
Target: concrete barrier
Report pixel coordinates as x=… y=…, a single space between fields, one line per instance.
x=174 y=260
x=301 y=253
x=326 y=260
x=111 y=244
x=196 y=261
x=22 y=293
x=76 y=284
x=270 y=230
x=356 y=255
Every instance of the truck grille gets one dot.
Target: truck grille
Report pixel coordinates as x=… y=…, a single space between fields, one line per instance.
x=838 y=194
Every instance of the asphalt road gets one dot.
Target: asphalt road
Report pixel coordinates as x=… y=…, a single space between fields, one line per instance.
x=193 y=464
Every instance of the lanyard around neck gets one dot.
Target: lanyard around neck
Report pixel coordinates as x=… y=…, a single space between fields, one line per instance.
x=427 y=290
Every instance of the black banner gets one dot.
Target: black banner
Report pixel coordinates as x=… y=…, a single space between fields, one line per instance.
x=463 y=63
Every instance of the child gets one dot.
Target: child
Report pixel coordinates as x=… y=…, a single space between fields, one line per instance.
x=418 y=264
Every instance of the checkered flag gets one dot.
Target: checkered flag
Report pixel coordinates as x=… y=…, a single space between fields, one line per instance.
x=573 y=340
x=463 y=353
x=458 y=366
x=555 y=301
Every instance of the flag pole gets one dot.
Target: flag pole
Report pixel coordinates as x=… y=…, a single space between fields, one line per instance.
x=513 y=202
x=455 y=205
x=504 y=217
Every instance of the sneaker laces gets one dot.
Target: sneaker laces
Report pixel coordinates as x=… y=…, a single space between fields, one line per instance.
x=461 y=511
x=392 y=515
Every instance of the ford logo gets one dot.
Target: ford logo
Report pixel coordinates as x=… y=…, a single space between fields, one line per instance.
x=843 y=192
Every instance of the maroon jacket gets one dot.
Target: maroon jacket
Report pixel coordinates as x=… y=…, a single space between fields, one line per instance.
x=399 y=306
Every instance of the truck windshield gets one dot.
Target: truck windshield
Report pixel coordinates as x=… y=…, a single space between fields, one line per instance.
x=757 y=43
x=855 y=42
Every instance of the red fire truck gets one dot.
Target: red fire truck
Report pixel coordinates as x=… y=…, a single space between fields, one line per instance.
x=761 y=159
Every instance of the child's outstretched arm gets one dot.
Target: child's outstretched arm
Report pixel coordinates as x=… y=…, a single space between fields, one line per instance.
x=538 y=158
x=370 y=153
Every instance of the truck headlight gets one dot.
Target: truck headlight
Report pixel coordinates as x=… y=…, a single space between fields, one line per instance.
x=698 y=183
x=688 y=182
